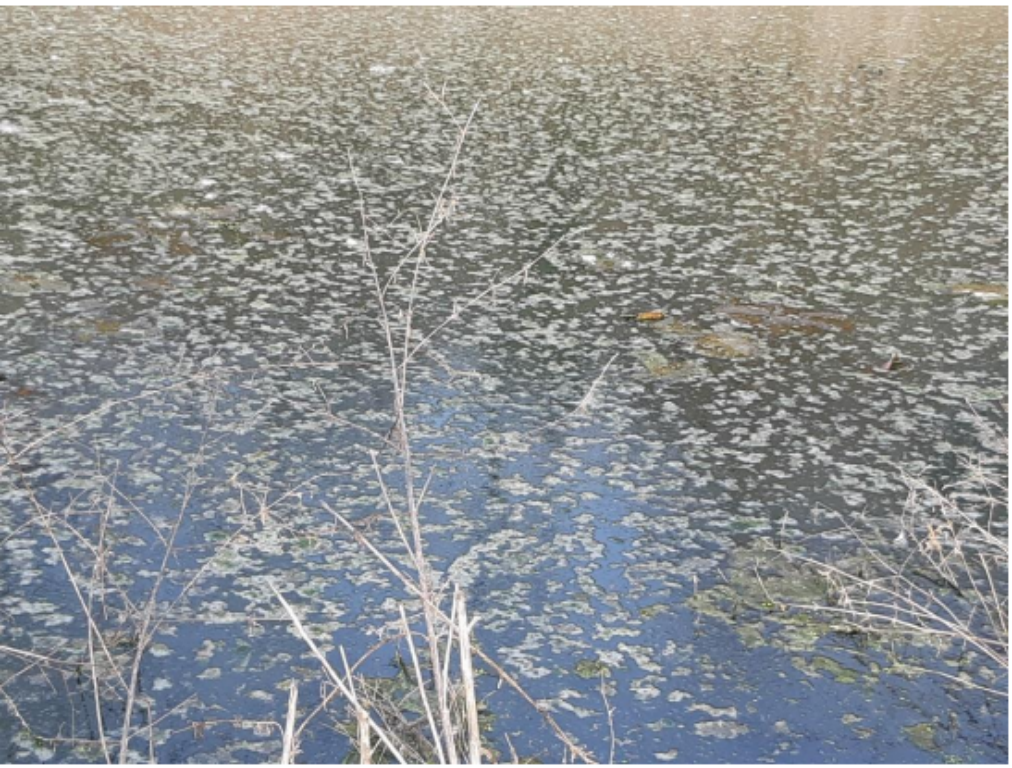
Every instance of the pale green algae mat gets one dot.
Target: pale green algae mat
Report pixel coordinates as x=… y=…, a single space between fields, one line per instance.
x=803 y=194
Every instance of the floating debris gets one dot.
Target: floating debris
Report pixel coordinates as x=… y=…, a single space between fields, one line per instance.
x=778 y=318
x=660 y=366
x=653 y=316
x=994 y=292
x=891 y=365
x=678 y=328
x=117 y=238
x=181 y=243
x=153 y=283
x=23 y=283
x=727 y=346
x=219 y=213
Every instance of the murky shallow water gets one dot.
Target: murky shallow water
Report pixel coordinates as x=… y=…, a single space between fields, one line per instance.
x=179 y=206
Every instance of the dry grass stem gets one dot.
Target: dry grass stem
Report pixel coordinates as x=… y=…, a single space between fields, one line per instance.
x=467 y=678
x=610 y=714
x=335 y=678
x=290 y=748
x=437 y=739
x=443 y=659
x=945 y=580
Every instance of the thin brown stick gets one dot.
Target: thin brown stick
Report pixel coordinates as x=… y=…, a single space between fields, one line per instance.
x=582 y=406
x=565 y=738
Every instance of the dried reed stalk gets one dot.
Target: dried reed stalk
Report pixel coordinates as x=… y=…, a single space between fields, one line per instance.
x=467 y=678
x=947 y=583
x=290 y=748
x=397 y=329
x=347 y=691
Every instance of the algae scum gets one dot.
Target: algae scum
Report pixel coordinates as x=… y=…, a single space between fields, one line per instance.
x=812 y=201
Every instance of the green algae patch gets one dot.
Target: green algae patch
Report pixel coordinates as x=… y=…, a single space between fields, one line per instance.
x=923 y=736
x=751 y=636
x=772 y=597
x=655 y=610
x=399 y=703
x=761 y=578
x=591 y=669
x=765 y=598
x=823 y=665
x=835 y=669
x=107 y=326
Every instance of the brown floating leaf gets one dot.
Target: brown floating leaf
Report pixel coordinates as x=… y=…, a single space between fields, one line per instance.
x=652 y=316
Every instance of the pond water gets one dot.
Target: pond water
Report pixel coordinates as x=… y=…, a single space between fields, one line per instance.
x=802 y=193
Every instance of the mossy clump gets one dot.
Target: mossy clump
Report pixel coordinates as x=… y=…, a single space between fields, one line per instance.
x=756 y=600
x=655 y=610
x=591 y=669
x=836 y=670
x=922 y=736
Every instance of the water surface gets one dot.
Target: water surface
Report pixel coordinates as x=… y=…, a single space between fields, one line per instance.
x=179 y=216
